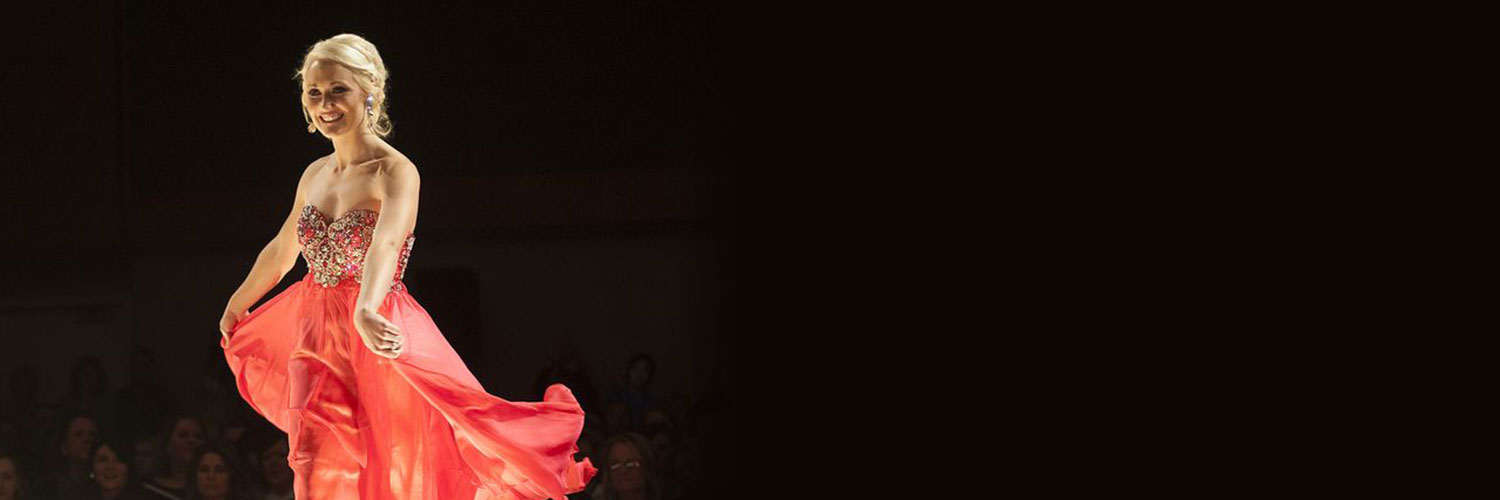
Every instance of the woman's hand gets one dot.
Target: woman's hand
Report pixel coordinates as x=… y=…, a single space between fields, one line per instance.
x=227 y=322
x=380 y=335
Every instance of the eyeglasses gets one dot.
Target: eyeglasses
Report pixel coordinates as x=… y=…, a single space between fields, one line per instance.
x=632 y=464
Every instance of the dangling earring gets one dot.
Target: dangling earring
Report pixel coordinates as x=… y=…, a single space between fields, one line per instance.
x=311 y=127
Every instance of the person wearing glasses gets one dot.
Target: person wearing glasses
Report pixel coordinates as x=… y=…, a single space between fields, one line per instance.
x=631 y=472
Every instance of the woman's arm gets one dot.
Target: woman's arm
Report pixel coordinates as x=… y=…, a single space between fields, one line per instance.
x=278 y=256
x=398 y=215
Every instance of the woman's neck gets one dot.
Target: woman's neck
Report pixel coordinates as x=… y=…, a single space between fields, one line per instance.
x=350 y=149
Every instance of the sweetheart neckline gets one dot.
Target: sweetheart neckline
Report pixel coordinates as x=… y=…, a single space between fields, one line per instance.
x=325 y=215
x=331 y=220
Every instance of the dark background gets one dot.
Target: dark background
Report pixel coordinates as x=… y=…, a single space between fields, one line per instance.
x=580 y=165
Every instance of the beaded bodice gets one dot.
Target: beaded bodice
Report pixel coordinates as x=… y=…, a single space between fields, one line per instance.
x=335 y=248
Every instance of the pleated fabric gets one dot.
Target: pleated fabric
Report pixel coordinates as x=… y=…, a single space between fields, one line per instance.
x=416 y=427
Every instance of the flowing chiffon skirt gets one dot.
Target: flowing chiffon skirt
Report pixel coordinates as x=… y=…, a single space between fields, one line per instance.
x=416 y=427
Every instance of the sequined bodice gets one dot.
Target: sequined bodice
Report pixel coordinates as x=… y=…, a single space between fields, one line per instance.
x=335 y=248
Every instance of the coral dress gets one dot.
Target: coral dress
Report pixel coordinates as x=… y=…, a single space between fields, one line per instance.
x=362 y=426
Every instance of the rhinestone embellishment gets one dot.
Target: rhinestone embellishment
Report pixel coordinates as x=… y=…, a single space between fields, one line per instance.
x=335 y=248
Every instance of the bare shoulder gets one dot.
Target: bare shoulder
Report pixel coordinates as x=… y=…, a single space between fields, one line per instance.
x=310 y=172
x=398 y=166
x=317 y=165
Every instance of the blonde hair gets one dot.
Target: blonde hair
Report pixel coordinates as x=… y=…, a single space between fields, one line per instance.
x=359 y=55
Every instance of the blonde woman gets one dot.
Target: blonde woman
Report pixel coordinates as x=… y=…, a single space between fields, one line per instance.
x=374 y=401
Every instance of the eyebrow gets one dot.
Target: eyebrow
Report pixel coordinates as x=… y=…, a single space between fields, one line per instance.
x=330 y=83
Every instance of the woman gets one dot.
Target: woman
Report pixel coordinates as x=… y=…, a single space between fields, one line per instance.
x=275 y=472
x=68 y=476
x=218 y=475
x=11 y=480
x=112 y=475
x=345 y=361
x=632 y=472
x=180 y=440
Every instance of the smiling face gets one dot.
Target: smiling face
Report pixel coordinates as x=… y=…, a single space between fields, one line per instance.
x=213 y=476
x=333 y=99
x=626 y=472
x=109 y=471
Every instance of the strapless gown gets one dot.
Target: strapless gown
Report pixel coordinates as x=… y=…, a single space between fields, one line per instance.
x=362 y=426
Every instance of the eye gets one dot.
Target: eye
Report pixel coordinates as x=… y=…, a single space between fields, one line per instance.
x=312 y=92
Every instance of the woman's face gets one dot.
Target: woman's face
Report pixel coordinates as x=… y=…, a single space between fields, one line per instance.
x=186 y=436
x=9 y=480
x=145 y=455
x=109 y=471
x=79 y=442
x=622 y=476
x=213 y=476
x=640 y=373
x=329 y=92
x=274 y=462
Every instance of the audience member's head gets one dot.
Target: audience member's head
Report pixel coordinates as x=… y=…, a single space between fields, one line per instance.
x=180 y=440
x=684 y=413
x=113 y=471
x=147 y=452
x=142 y=363
x=274 y=467
x=12 y=483
x=88 y=378
x=215 y=473
x=630 y=468
x=640 y=370
x=657 y=426
x=77 y=438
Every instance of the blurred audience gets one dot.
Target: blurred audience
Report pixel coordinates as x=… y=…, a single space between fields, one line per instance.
x=217 y=447
x=634 y=387
x=566 y=368
x=142 y=404
x=88 y=389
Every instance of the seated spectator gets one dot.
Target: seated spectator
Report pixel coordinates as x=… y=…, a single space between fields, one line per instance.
x=630 y=470
x=113 y=476
x=179 y=443
x=12 y=482
x=276 y=471
x=218 y=474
